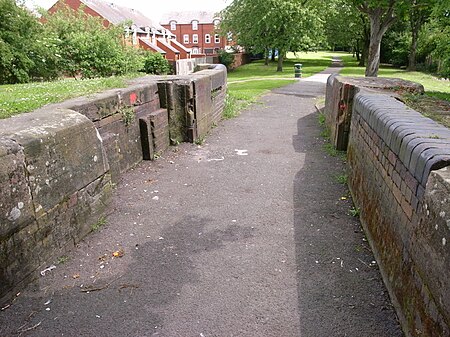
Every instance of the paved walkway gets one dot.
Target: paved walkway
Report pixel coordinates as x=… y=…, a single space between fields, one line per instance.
x=246 y=235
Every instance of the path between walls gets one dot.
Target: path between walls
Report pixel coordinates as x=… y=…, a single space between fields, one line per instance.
x=245 y=235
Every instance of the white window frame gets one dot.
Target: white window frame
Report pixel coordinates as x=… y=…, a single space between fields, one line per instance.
x=195 y=25
x=186 y=38
x=216 y=38
x=173 y=25
x=194 y=38
x=195 y=51
x=207 y=38
x=216 y=23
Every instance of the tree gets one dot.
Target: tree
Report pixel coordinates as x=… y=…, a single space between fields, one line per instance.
x=22 y=51
x=435 y=37
x=88 y=48
x=419 y=13
x=382 y=15
x=261 y=25
x=346 y=28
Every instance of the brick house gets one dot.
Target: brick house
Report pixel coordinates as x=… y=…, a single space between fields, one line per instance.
x=197 y=30
x=143 y=32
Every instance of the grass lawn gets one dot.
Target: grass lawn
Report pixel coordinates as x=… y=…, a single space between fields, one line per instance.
x=312 y=63
x=433 y=86
x=247 y=83
x=18 y=98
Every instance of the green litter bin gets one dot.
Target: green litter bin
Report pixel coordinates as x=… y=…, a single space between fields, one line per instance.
x=298 y=70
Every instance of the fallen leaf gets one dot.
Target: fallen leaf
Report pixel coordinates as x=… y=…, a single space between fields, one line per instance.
x=119 y=253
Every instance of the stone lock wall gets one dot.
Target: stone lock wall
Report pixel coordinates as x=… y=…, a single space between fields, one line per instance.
x=398 y=176
x=58 y=164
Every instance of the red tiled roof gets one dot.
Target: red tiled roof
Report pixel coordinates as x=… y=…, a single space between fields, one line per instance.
x=117 y=14
x=152 y=46
x=167 y=45
x=178 y=44
x=187 y=17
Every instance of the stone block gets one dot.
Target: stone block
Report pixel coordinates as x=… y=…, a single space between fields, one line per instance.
x=16 y=203
x=63 y=153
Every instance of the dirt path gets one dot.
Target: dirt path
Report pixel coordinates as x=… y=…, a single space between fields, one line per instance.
x=246 y=235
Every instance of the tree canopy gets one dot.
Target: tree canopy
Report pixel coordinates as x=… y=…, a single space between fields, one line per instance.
x=263 y=25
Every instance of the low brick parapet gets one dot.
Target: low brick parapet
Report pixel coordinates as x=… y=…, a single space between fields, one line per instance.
x=398 y=177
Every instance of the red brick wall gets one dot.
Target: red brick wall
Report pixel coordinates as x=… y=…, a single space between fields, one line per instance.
x=170 y=55
x=392 y=152
x=75 y=4
x=203 y=29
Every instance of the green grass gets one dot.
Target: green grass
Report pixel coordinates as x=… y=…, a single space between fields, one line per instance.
x=241 y=95
x=248 y=82
x=433 y=86
x=19 y=98
x=312 y=63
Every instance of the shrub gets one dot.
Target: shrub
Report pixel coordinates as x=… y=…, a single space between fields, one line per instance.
x=155 y=63
x=22 y=55
x=226 y=58
x=88 y=48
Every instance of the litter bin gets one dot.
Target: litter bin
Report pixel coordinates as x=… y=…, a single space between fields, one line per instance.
x=298 y=70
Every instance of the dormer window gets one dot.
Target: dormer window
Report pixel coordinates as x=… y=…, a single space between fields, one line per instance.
x=173 y=25
x=216 y=23
x=194 y=25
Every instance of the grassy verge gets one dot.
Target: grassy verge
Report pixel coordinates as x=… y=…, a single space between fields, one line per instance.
x=240 y=95
x=19 y=98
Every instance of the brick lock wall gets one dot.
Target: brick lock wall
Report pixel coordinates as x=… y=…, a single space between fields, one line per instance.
x=388 y=177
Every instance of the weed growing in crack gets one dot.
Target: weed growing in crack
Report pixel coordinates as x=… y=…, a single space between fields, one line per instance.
x=342 y=178
x=355 y=212
x=101 y=222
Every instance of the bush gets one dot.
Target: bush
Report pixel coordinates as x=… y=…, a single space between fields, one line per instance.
x=155 y=63
x=89 y=49
x=21 y=53
x=226 y=58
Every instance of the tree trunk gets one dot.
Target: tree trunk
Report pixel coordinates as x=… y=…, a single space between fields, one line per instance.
x=417 y=16
x=413 y=50
x=357 y=50
x=381 y=18
x=373 y=58
x=365 y=50
x=280 y=61
x=266 y=57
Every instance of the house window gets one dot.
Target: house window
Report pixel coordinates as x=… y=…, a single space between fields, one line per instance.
x=195 y=38
x=216 y=38
x=207 y=38
x=186 y=38
x=216 y=23
x=173 y=25
x=195 y=51
x=194 y=25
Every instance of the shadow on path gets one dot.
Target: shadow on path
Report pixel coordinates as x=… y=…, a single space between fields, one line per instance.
x=340 y=290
